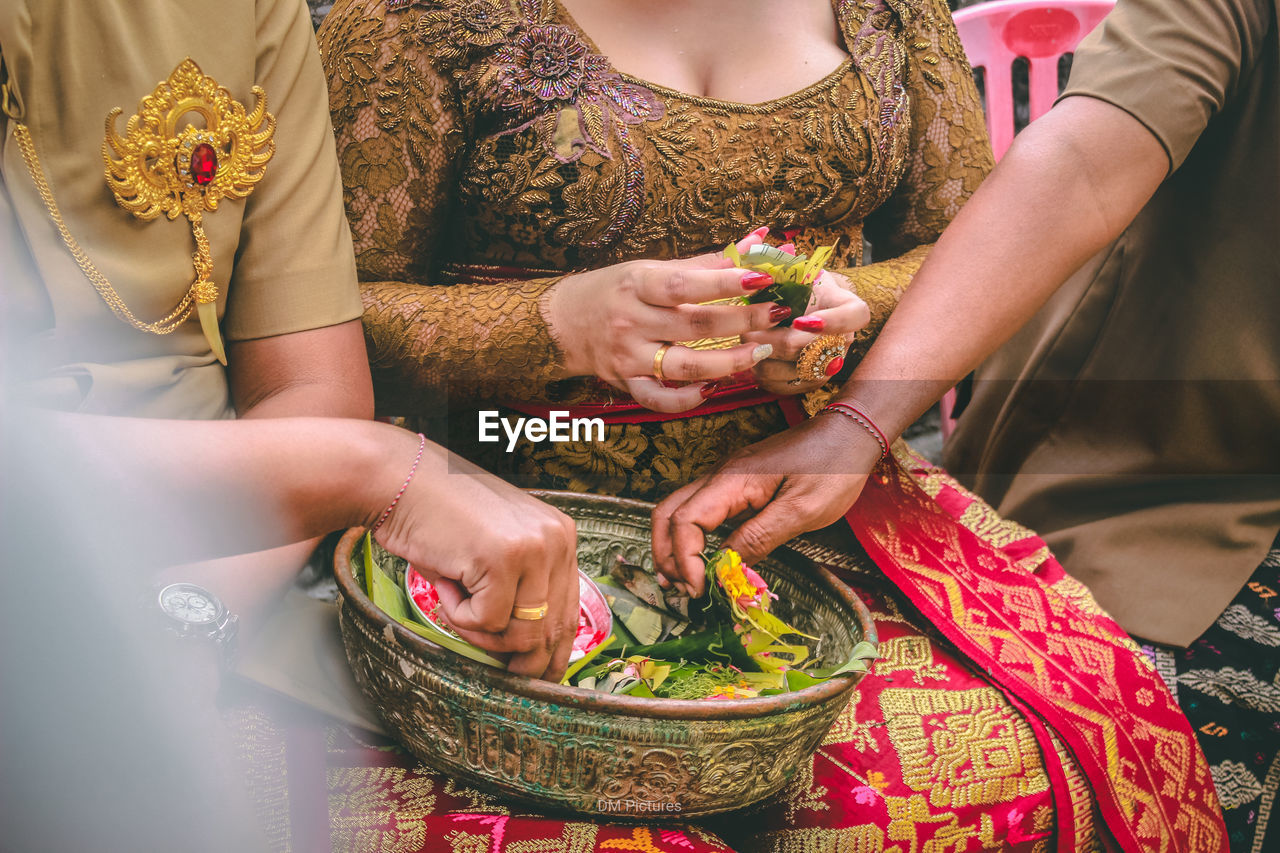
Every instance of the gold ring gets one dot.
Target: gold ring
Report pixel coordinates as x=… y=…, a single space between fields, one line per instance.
x=657 y=361
x=530 y=614
x=816 y=358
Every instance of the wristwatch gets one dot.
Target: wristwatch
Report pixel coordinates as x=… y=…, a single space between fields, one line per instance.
x=193 y=612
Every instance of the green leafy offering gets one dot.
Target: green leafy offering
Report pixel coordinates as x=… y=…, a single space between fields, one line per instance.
x=731 y=647
x=737 y=648
x=793 y=275
x=644 y=623
x=388 y=597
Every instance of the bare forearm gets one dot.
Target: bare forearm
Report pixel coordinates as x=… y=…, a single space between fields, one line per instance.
x=1069 y=186
x=194 y=490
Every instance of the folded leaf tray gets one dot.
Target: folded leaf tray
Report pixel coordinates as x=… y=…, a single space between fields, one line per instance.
x=567 y=749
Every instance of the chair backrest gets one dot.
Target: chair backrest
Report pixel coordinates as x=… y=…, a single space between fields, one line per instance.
x=994 y=34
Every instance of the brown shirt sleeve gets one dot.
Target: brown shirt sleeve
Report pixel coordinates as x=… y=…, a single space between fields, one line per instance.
x=295 y=269
x=1171 y=64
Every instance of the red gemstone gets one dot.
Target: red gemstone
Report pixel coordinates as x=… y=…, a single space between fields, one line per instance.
x=833 y=366
x=204 y=164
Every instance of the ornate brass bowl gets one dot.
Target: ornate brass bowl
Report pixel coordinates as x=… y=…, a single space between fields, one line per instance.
x=593 y=753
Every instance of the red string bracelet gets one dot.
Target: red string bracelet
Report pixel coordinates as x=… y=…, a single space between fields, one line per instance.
x=386 y=513
x=863 y=420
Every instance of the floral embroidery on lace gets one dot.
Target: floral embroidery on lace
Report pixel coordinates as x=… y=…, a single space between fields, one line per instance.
x=546 y=78
x=458 y=28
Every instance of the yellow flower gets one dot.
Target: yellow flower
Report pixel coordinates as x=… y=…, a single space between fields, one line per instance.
x=733 y=579
x=733 y=691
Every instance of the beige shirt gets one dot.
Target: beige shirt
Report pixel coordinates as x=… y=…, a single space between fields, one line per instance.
x=1135 y=422
x=282 y=257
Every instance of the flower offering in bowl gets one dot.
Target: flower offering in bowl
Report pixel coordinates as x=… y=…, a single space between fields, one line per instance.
x=595 y=620
x=587 y=750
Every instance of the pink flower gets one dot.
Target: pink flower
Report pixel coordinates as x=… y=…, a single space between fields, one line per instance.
x=758 y=583
x=864 y=795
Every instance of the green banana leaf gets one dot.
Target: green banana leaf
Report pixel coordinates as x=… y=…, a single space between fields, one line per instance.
x=645 y=623
x=391 y=600
x=794 y=295
x=718 y=644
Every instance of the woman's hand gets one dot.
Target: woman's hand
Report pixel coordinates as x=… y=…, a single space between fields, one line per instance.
x=611 y=323
x=796 y=481
x=488 y=548
x=834 y=309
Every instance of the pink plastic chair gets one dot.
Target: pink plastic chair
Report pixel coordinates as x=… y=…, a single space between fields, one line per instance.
x=994 y=35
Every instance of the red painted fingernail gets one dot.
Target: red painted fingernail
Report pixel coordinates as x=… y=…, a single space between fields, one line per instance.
x=709 y=390
x=833 y=366
x=778 y=313
x=756 y=281
x=808 y=324
x=789 y=248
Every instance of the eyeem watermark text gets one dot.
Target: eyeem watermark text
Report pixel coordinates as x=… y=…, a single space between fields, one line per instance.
x=636 y=806
x=558 y=427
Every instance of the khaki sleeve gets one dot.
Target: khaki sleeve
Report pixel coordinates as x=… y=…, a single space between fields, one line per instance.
x=295 y=269
x=1171 y=64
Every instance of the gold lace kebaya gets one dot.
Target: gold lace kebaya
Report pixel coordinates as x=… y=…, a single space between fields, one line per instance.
x=487 y=141
x=159 y=169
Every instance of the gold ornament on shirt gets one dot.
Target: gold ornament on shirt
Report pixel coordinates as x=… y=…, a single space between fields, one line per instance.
x=166 y=165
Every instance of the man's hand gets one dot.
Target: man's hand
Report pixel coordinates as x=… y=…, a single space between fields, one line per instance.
x=799 y=480
x=489 y=548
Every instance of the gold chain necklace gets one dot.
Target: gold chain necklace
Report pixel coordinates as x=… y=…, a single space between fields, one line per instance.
x=163 y=326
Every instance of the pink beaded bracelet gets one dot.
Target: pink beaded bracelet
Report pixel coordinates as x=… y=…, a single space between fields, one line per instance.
x=386 y=513
x=863 y=420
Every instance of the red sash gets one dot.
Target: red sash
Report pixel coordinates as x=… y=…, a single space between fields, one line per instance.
x=736 y=395
x=1045 y=643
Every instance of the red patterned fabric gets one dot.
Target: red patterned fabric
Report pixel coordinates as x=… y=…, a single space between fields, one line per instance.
x=1043 y=640
x=339 y=789
x=1034 y=712
x=929 y=756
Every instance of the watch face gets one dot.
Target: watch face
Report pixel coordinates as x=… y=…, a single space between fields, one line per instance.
x=189 y=603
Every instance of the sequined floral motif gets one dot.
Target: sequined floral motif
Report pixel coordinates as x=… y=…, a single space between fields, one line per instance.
x=547 y=78
x=548 y=62
x=457 y=28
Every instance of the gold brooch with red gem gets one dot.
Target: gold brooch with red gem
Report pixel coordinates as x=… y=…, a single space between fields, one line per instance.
x=165 y=164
